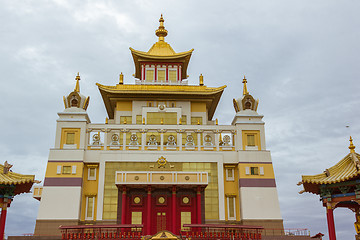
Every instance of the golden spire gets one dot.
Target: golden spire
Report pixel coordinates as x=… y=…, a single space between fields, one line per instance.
x=245 y=91
x=161 y=32
x=77 y=86
x=351 y=147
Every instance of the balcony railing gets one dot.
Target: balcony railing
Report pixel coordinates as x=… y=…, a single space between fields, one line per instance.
x=97 y=232
x=161 y=137
x=161 y=178
x=221 y=231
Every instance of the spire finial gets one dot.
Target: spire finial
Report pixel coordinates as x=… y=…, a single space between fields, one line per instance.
x=351 y=147
x=77 y=86
x=245 y=91
x=161 y=32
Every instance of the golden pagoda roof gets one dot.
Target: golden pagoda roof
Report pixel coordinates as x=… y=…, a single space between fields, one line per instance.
x=161 y=48
x=112 y=94
x=345 y=170
x=342 y=171
x=22 y=183
x=161 y=51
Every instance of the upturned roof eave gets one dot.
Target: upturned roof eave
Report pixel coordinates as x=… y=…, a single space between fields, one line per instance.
x=342 y=171
x=110 y=94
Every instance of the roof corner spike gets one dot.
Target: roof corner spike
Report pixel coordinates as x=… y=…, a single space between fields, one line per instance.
x=77 y=86
x=245 y=91
x=161 y=32
x=351 y=147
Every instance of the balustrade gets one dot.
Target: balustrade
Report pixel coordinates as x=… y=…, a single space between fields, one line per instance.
x=161 y=137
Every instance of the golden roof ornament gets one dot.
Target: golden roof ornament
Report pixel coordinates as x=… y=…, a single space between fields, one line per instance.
x=245 y=91
x=77 y=86
x=161 y=32
x=351 y=147
x=201 y=80
x=121 y=79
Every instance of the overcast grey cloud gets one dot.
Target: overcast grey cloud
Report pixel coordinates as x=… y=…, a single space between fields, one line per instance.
x=301 y=59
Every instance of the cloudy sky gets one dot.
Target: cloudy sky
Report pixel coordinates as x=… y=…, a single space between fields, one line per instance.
x=301 y=59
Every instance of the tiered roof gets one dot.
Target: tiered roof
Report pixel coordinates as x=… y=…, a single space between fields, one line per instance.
x=112 y=94
x=161 y=51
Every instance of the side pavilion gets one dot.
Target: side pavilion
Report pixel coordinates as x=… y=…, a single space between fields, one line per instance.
x=338 y=186
x=11 y=184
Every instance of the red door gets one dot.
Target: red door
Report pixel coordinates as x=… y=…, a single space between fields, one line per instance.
x=160 y=221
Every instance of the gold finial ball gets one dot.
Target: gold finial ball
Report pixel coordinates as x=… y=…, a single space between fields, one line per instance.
x=77 y=76
x=161 y=32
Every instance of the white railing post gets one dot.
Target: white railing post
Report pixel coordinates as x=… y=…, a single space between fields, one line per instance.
x=199 y=140
x=105 y=138
x=217 y=139
x=124 y=139
x=179 y=140
x=161 y=140
x=143 y=139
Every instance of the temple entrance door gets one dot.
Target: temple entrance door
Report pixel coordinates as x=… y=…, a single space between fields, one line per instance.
x=160 y=221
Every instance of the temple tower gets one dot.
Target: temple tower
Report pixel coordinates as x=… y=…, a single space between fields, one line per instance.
x=160 y=159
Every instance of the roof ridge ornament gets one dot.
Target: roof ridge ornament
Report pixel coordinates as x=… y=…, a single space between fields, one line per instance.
x=161 y=32
x=7 y=167
x=351 y=147
x=77 y=86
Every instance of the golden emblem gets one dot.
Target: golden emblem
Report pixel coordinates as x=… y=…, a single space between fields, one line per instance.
x=161 y=161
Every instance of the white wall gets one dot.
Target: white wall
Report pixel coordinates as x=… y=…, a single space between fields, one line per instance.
x=60 y=203
x=259 y=203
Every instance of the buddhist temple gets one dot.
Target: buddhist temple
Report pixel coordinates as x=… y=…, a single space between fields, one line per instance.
x=338 y=186
x=160 y=161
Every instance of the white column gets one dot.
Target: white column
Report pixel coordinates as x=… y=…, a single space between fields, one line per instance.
x=87 y=142
x=217 y=138
x=161 y=141
x=100 y=196
x=105 y=139
x=143 y=140
x=236 y=143
x=141 y=74
x=220 y=166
